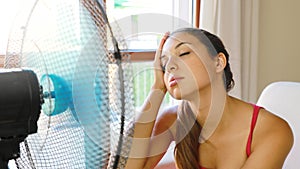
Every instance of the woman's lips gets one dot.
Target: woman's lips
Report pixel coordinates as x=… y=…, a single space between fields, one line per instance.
x=174 y=80
x=172 y=83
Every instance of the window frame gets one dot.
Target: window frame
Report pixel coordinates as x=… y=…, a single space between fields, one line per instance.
x=183 y=10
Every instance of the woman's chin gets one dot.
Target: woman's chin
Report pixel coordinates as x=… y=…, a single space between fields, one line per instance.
x=176 y=95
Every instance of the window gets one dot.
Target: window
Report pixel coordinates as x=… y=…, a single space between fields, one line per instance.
x=142 y=23
x=8 y=11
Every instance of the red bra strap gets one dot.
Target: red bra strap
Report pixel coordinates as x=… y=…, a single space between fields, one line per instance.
x=253 y=123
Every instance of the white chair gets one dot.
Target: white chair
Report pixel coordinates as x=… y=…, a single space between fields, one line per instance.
x=283 y=99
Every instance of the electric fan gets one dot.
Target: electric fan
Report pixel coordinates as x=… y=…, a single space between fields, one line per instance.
x=86 y=83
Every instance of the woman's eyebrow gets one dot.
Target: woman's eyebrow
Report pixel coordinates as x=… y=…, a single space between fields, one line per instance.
x=181 y=43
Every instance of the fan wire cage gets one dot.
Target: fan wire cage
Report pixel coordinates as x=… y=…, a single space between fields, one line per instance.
x=71 y=47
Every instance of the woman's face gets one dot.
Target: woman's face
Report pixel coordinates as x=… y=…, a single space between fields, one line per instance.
x=187 y=65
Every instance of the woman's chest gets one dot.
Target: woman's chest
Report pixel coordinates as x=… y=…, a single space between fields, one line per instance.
x=224 y=152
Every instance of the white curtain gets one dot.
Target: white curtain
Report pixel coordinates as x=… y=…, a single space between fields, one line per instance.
x=236 y=23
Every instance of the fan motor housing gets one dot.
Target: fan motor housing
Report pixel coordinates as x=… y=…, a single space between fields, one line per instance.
x=20 y=103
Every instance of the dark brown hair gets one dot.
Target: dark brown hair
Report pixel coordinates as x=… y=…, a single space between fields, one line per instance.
x=188 y=129
x=187 y=138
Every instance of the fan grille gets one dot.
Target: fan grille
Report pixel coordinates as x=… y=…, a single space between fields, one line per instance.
x=68 y=45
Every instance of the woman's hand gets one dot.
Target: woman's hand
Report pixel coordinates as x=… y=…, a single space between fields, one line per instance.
x=158 y=71
x=146 y=118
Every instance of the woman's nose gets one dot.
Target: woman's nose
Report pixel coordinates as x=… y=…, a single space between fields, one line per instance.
x=171 y=64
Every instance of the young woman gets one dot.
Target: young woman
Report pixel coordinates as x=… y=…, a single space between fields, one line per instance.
x=211 y=129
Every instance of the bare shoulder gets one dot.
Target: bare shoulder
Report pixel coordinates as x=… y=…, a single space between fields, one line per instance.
x=166 y=119
x=273 y=130
x=272 y=140
x=269 y=123
x=169 y=114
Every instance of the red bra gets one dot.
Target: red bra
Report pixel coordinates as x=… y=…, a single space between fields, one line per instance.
x=253 y=123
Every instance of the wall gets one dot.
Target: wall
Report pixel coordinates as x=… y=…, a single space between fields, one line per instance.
x=279 y=35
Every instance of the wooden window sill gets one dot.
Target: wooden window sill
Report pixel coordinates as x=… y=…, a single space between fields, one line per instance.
x=140 y=55
x=1 y=61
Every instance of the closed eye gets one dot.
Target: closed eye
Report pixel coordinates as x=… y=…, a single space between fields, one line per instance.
x=185 y=53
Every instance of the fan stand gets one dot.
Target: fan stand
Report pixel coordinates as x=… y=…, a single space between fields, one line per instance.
x=9 y=150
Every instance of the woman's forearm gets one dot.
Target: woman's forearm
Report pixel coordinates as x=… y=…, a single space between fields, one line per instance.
x=143 y=127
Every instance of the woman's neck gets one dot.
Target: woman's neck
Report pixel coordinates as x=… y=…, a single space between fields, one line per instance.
x=209 y=108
